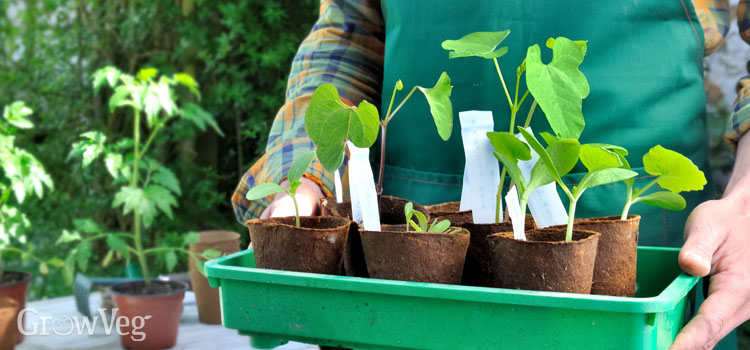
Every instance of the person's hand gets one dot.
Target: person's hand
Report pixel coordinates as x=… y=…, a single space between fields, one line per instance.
x=717 y=243
x=308 y=197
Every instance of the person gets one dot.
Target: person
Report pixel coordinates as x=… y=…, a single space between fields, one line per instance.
x=645 y=67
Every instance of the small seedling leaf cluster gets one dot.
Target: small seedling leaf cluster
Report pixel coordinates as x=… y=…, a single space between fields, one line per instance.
x=422 y=224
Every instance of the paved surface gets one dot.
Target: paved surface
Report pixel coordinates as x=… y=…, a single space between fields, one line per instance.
x=192 y=334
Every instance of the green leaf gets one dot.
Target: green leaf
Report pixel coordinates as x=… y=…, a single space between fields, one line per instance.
x=200 y=266
x=86 y=226
x=559 y=158
x=299 y=166
x=199 y=117
x=56 y=262
x=166 y=178
x=441 y=108
x=329 y=122
x=603 y=177
x=422 y=221
x=509 y=146
x=263 y=190
x=164 y=94
x=675 y=172
x=597 y=158
x=408 y=212
x=191 y=237
x=68 y=236
x=170 y=258
x=664 y=199
x=559 y=87
x=113 y=161
x=132 y=198
x=211 y=254
x=16 y=114
x=188 y=81
x=108 y=258
x=479 y=44
x=440 y=226
x=162 y=198
x=70 y=268
x=548 y=138
x=43 y=268
x=119 y=98
x=117 y=244
x=146 y=74
x=83 y=254
x=108 y=74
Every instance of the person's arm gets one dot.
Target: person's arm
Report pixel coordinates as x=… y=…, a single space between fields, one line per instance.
x=717 y=239
x=345 y=48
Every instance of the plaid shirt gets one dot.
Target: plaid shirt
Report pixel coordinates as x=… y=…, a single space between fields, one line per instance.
x=346 y=48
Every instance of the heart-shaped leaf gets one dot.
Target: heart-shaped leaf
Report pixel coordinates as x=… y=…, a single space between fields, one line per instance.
x=329 y=122
x=479 y=44
x=559 y=87
x=597 y=158
x=441 y=108
x=675 y=172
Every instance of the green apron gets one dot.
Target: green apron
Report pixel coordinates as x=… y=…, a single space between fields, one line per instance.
x=644 y=65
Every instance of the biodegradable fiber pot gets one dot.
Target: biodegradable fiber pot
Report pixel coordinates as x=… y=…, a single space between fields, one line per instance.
x=432 y=257
x=614 y=271
x=478 y=270
x=317 y=246
x=162 y=302
x=391 y=213
x=14 y=285
x=8 y=323
x=545 y=262
x=207 y=298
x=450 y=211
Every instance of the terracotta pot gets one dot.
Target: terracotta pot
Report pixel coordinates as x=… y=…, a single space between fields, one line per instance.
x=14 y=285
x=545 y=262
x=8 y=323
x=432 y=257
x=207 y=298
x=317 y=246
x=153 y=318
x=450 y=211
x=391 y=213
x=478 y=270
x=614 y=271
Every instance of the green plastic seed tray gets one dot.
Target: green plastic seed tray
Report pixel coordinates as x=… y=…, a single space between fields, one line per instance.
x=273 y=307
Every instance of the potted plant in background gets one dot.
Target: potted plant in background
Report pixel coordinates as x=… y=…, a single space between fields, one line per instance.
x=148 y=189
x=22 y=175
x=420 y=251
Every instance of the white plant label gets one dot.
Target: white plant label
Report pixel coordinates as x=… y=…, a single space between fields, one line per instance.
x=481 y=171
x=362 y=189
x=517 y=218
x=338 y=187
x=544 y=202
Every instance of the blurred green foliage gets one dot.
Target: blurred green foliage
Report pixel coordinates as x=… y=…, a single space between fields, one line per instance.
x=239 y=52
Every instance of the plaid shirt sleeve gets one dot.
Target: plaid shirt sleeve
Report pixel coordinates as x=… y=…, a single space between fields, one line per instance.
x=345 y=48
x=739 y=121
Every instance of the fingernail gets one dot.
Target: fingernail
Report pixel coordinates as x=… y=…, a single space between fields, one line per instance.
x=704 y=264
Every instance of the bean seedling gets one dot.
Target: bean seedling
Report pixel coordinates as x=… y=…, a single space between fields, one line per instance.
x=442 y=226
x=296 y=170
x=329 y=121
x=604 y=167
x=673 y=172
x=558 y=87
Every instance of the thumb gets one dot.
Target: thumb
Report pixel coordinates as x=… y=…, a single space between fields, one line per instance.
x=702 y=238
